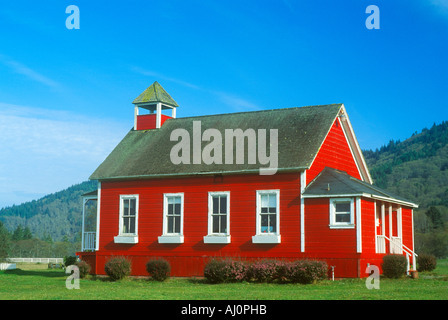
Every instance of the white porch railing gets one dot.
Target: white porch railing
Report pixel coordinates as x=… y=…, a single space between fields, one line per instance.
x=380 y=244
x=397 y=247
x=89 y=241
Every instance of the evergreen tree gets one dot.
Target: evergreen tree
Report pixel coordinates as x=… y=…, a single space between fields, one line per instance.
x=436 y=217
x=18 y=233
x=27 y=234
x=4 y=242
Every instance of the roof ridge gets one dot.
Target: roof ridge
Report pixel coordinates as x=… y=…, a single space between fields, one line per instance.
x=261 y=111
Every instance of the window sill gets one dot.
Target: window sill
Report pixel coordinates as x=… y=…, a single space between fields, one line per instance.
x=266 y=238
x=342 y=226
x=171 y=239
x=217 y=239
x=126 y=239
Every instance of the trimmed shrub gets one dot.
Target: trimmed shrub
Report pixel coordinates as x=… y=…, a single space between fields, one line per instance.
x=225 y=270
x=118 y=268
x=394 y=266
x=266 y=270
x=159 y=269
x=84 y=268
x=214 y=271
x=301 y=271
x=235 y=270
x=426 y=262
x=308 y=271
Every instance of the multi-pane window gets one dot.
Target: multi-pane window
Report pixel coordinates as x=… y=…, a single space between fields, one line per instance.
x=268 y=212
x=218 y=217
x=268 y=217
x=173 y=211
x=173 y=214
x=341 y=212
x=219 y=212
x=128 y=214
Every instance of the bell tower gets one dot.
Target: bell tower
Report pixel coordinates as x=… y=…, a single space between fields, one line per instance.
x=155 y=100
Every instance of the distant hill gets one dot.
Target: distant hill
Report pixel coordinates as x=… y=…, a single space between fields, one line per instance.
x=58 y=215
x=416 y=168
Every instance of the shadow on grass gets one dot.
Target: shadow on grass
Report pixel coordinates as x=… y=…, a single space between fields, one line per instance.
x=40 y=273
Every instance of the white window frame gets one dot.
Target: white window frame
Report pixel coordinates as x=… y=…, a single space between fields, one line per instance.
x=342 y=225
x=212 y=237
x=172 y=237
x=129 y=238
x=271 y=237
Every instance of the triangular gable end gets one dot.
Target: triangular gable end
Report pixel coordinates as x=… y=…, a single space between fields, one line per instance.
x=350 y=139
x=354 y=146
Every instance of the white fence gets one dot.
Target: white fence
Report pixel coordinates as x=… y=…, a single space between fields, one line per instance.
x=37 y=260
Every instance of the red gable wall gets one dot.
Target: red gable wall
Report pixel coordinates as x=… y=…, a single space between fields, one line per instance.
x=335 y=153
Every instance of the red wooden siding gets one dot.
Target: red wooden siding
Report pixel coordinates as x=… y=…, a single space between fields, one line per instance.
x=194 y=251
x=335 y=153
x=148 y=121
x=336 y=246
x=407 y=227
x=368 y=226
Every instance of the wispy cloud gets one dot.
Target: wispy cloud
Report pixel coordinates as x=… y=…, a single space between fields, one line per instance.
x=441 y=6
x=49 y=150
x=161 y=76
x=20 y=68
x=235 y=102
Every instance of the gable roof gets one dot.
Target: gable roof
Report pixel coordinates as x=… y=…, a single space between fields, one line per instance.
x=154 y=94
x=334 y=183
x=146 y=153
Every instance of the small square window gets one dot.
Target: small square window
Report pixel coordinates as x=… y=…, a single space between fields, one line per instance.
x=342 y=213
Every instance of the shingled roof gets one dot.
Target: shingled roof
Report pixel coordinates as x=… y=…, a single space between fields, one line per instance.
x=146 y=153
x=154 y=94
x=334 y=183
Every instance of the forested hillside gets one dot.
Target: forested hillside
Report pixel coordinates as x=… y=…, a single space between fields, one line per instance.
x=417 y=169
x=56 y=215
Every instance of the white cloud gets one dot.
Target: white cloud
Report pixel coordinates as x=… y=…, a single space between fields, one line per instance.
x=31 y=74
x=44 y=151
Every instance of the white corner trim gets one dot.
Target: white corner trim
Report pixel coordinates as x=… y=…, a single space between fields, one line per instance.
x=358 y=225
x=302 y=210
x=98 y=210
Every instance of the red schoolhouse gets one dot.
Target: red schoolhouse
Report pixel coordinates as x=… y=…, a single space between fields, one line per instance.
x=159 y=196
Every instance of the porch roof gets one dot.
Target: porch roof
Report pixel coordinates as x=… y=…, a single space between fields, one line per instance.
x=90 y=194
x=334 y=183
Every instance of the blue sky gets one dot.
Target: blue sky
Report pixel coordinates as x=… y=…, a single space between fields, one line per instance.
x=66 y=95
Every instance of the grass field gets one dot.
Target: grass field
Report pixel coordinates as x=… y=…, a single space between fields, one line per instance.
x=35 y=282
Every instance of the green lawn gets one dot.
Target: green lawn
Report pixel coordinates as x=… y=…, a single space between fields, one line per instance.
x=31 y=283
